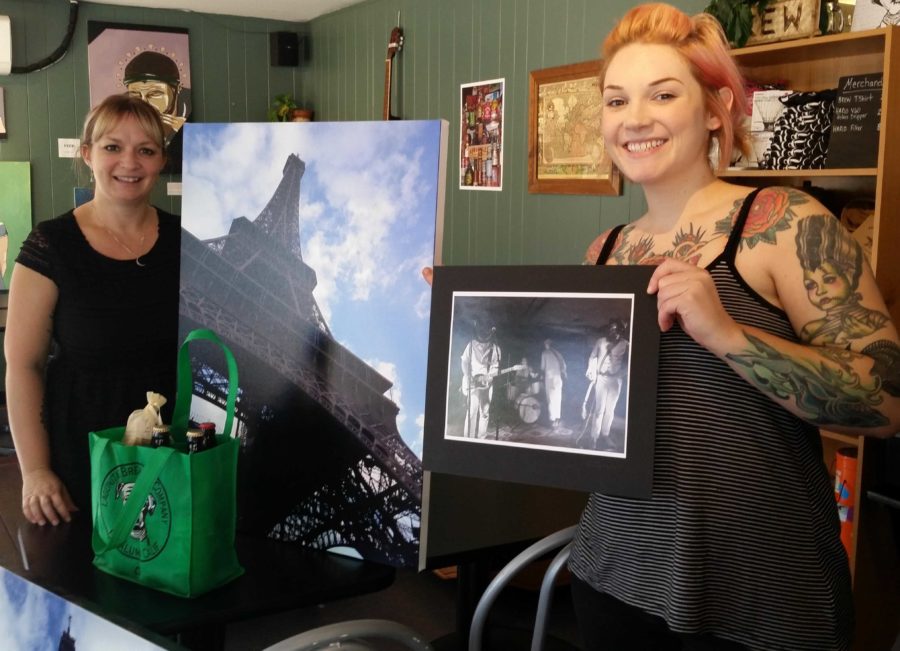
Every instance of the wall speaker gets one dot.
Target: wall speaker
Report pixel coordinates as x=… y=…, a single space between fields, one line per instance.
x=288 y=48
x=5 y=46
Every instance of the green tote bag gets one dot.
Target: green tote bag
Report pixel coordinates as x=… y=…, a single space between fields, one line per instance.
x=161 y=517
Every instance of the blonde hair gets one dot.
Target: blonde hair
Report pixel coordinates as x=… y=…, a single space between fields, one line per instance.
x=702 y=43
x=107 y=114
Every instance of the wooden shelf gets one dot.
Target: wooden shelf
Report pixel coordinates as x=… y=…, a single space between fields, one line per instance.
x=846 y=439
x=830 y=47
x=751 y=172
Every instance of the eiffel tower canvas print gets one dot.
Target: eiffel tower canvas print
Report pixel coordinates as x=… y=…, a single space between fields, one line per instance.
x=302 y=247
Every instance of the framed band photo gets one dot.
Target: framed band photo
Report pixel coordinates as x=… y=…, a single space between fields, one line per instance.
x=544 y=376
x=566 y=154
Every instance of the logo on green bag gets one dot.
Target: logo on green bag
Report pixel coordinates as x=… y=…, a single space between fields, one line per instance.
x=150 y=531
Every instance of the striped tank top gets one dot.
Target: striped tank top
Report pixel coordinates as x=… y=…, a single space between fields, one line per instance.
x=741 y=537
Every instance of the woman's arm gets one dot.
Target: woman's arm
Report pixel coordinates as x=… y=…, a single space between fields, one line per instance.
x=844 y=374
x=32 y=299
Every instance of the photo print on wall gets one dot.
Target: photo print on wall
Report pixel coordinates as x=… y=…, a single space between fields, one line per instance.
x=302 y=248
x=481 y=135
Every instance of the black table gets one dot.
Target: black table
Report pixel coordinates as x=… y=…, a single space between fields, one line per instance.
x=278 y=576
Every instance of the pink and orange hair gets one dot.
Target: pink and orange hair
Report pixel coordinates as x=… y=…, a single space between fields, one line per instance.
x=702 y=43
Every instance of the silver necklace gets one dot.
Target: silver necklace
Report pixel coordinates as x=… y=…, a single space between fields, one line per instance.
x=137 y=258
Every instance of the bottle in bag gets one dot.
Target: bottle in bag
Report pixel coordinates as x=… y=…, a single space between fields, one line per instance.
x=209 y=435
x=159 y=437
x=195 y=440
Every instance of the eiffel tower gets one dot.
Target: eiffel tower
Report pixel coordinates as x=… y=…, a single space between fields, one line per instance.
x=322 y=462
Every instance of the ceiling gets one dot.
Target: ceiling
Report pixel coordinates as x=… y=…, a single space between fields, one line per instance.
x=290 y=10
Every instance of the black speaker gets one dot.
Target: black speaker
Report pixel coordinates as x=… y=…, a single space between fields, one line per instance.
x=288 y=49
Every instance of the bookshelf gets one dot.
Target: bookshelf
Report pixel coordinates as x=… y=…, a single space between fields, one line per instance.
x=815 y=64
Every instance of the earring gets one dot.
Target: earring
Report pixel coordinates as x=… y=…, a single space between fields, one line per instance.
x=714 y=153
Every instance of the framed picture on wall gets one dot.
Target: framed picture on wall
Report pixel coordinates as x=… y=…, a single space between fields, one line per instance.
x=543 y=376
x=152 y=63
x=566 y=154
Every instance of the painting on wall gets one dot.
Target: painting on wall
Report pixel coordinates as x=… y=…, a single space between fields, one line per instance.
x=303 y=246
x=566 y=153
x=543 y=376
x=15 y=214
x=481 y=135
x=152 y=63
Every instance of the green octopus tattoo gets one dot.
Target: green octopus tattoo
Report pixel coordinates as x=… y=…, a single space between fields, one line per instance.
x=826 y=394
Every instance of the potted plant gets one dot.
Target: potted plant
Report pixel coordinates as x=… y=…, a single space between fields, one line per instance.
x=281 y=108
x=285 y=109
x=736 y=17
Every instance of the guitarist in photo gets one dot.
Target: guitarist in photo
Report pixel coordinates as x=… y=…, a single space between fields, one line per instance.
x=480 y=365
x=606 y=371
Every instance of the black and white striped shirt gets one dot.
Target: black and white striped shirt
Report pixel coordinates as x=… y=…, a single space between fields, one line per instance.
x=741 y=537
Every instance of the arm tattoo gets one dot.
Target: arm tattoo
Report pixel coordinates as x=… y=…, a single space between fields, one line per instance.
x=772 y=211
x=832 y=264
x=826 y=394
x=887 y=364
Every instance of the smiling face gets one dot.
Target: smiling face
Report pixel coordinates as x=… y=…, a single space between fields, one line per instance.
x=827 y=286
x=126 y=162
x=655 y=122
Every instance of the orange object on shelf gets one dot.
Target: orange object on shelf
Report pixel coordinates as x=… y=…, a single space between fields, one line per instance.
x=844 y=492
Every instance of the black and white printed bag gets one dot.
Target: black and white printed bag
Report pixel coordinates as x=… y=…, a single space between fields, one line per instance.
x=801 y=131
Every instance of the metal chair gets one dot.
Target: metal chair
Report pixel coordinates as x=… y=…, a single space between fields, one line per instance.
x=352 y=635
x=562 y=538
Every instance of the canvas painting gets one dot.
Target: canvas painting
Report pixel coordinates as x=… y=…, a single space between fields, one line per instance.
x=15 y=214
x=152 y=63
x=34 y=618
x=302 y=247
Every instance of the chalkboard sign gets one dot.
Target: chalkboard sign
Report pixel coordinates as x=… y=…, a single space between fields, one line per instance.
x=855 y=126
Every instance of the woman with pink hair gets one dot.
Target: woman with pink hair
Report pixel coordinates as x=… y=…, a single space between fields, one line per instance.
x=738 y=547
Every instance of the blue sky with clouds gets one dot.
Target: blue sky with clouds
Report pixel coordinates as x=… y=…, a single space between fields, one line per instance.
x=34 y=618
x=368 y=206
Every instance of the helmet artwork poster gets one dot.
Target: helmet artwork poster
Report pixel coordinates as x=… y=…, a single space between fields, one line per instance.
x=152 y=63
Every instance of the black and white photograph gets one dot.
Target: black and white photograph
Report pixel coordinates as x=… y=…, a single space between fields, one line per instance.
x=516 y=378
x=556 y=369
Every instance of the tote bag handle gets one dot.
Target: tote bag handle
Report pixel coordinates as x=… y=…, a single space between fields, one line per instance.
x=185 y=383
